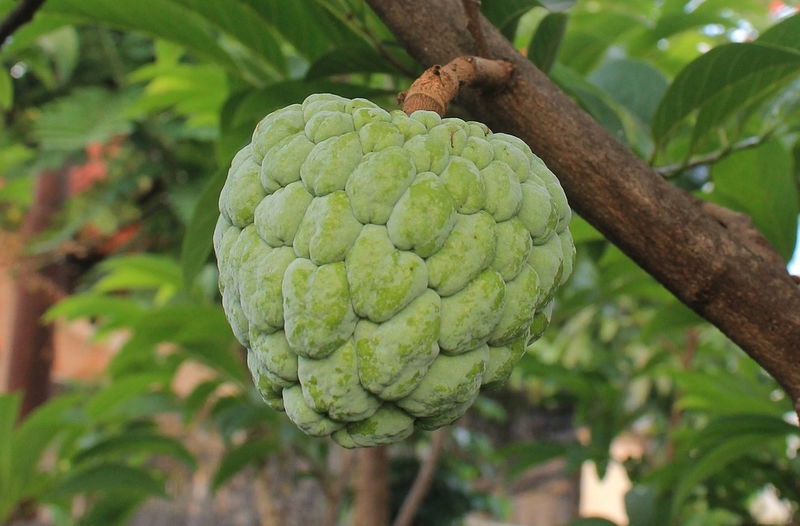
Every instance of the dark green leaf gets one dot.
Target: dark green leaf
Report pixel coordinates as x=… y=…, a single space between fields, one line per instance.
x=543 y=48
x=504 y=13
x=354 y=58
x=635 y=85
x=784 y=34
x=108 y=477
x=197 y=239
x=241 y=22
x=113 y=508
x=135 y=443
x=241 y=457
x=644 y=508
x=760 y=182
x=103 y=404
x=729 y=76
x=526 y=456
x=161 y=18
x=712 y=462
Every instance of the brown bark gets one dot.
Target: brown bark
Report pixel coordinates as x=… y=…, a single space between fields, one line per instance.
x=371 y=506
x=705 y=263
x=31 y=342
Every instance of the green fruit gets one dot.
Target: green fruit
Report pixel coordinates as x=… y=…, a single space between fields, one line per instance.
x=382 y=269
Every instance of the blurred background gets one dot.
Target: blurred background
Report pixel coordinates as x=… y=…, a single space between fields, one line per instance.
x=131 y=403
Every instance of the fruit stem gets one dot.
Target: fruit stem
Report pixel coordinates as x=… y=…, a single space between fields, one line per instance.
x=439 y=85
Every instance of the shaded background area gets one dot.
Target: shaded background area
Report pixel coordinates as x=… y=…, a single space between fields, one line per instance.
x=630 y=410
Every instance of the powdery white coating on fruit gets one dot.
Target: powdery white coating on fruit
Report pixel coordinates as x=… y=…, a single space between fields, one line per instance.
x=381 y=268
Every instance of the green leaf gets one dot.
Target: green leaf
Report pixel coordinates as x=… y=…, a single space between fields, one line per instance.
x=722 y=81
x=113 y=508
x=6 y=91
x=116 y=312
x=135 y=443
x=713 y=461
x=590 y=98
x=528 y=455
x=241 y=457
x=644 y=508
x=9 y=409
x=141 y=272
x=241 y=22
x=102 y=405
x=196 y=245
x=197 y=399
x=85 y=116
x=722 y=428
x=505 y=13
x=307 y=25
x=635 y=85
x=353 y=58
x=760 y=182
x=591 y=521
x=546 y=41
x=591 y=34
x=160 y=18
x=784 y=34
x=108 y=477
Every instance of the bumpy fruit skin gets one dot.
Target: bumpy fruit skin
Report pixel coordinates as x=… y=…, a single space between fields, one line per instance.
x=381 y=268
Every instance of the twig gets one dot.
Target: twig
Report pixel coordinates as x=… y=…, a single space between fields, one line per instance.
x=338 y=490
x=473 y=10
x=18 y=17
x=435 y=88
x=673 y=169
x=422 y=484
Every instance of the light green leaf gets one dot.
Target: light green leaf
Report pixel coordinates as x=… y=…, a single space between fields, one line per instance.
x=85 y=116
x=6 y=90
x=197 y=239
x=141 y=272
x=760 y=182
x=729 y=76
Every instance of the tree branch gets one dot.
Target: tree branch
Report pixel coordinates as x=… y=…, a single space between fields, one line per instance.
x=439 y=85
x=422 y=483
x=752 y=299
x=18 y=17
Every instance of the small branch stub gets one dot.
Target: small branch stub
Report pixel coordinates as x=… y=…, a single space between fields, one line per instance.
x=439 y=85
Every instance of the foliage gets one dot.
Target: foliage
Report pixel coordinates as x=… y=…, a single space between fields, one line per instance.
x=147 y=102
